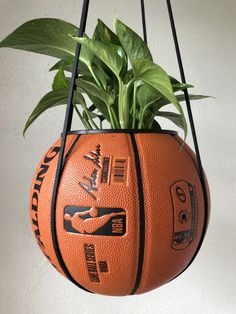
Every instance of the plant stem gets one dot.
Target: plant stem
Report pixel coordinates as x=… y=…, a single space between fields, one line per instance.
x=114 y=115
x=134 y=106
x=141 y=115
x=142 y=112
x=114 y=121
x=87 y=121
x=94 y=76
x=126 y=104
x=81 y=118
x=83 y=104
x=111 y=117
x=120 y=103
x=90 y=119
x=150 y=122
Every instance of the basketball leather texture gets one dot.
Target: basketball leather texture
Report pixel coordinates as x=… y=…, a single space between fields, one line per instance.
x=129 y=214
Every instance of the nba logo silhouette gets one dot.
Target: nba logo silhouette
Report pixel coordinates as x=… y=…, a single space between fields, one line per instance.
x=95 y=220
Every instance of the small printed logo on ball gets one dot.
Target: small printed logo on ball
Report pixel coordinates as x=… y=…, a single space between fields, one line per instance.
x=185 y=214
x=95 y=220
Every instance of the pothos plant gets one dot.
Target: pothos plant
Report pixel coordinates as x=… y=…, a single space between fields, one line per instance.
x=118 y=80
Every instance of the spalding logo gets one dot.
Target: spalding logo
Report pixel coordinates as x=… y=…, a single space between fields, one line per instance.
x=37 y=186
x=95 y=220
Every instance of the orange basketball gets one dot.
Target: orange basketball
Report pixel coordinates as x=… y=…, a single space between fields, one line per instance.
x=129 y=215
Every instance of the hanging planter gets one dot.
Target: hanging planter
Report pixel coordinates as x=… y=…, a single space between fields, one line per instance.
x=129 y=211
x=123 y=210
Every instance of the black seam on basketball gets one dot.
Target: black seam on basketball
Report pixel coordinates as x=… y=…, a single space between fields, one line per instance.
x=53 y=222
x=141 y=214
x=206 y=213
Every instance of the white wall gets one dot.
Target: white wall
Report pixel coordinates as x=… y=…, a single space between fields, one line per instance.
x=207 y=37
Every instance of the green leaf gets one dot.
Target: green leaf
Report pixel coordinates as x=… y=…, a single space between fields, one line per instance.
x=131 y=42
x=100 y=105
x=174 y=81
x=178 y=86
x=86 y=56
x=100 y=72
x=163 y=102
x=147 y=94
x=67 y=65
x=172 y=116
x=97 y=69
x=109 y=54
x=156 y=125
x=60 y=81
x=89 y=65
x=96 y=91
x=155 y=76
x=45 y=36
x=52 y=99
x=192 y=97
x=50 y=37
x=181 y=87
x=87 y=85
x=105 y=34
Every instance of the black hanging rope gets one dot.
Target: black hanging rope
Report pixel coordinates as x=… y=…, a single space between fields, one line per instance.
x=144 y=21
x=196 y=146
x=70 y=106
x=66 y=128
x=69 y=111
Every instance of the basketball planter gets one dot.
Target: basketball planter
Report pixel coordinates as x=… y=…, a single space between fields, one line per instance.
x=129 y=213
x=125 y=210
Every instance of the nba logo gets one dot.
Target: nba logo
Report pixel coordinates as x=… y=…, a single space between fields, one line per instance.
x=95 y=220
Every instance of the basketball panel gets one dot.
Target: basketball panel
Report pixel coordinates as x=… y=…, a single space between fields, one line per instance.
x=97 y=214
x=172 y=227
